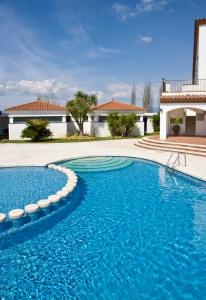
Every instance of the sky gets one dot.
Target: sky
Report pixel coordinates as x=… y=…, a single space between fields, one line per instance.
x=56 y=47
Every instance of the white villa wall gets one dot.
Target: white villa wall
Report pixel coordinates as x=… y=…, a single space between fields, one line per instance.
x=201 y=127
x=100 y=129
x=139 y=129
x=167 y=110
x=150 y=128
x=59 y=130
x=62 y=129
x=202 y=52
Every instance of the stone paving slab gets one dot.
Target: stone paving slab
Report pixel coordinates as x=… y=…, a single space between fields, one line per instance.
x=42 y=154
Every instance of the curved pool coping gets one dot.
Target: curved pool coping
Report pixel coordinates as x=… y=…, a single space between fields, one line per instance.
x=17 y=215
x=85 y=156
x=133 y=157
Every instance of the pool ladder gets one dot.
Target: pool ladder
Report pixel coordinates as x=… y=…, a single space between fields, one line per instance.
x=176 y=162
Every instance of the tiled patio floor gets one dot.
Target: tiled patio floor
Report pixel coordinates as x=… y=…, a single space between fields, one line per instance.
x=198 y=140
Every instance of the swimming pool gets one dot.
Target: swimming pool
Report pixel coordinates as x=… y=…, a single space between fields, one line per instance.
x=23 y=185
x=138 y=233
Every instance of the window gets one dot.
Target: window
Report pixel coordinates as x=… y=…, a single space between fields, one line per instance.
x=200 y=116
x=68 y=119
x=54 y=119
x=102 y=119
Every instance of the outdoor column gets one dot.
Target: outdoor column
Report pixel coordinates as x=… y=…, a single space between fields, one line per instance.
x=163 y=124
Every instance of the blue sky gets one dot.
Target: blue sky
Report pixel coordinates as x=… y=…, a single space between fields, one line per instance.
x=59 y=46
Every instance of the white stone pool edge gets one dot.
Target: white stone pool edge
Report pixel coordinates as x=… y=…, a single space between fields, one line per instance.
x=13 y=155
x=31 y=210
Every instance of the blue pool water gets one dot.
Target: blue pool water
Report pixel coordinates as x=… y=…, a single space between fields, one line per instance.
x=21 y=186
x=138 y=233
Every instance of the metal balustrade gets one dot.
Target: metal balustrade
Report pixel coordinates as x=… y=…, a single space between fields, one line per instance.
x=175 y=86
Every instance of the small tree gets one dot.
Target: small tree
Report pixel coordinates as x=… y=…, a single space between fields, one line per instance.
x=128 y=124
x=114 y=123
x=156 y=122
x=147 y=97
x=121 y=125
x=80 y=106
x=133 y=95
x=36 y=130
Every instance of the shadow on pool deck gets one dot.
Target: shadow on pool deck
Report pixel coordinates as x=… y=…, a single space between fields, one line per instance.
x=30 y=230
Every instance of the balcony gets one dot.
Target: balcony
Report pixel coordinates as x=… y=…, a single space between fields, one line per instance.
x=184 y=86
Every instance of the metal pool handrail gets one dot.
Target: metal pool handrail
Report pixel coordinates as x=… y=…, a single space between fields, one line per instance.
x=177 y=160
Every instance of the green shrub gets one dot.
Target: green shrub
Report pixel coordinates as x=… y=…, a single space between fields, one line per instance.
x=156 y=122
x=128 y=124
x=121 y=125
x=114 y=123
x=176 y=121
x=36 y=130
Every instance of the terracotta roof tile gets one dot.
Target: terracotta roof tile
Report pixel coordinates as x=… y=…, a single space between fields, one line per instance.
x=118 y=106
x=183 y=99
x=36 y=105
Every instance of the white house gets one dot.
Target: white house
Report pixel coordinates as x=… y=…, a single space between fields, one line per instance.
x=186 y=99
x=100 y=113
x=62 y=124
x=20 y=114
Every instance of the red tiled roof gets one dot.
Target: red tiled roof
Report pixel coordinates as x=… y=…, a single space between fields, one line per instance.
x=36 y=105
x=183 y=99
x=116 y=105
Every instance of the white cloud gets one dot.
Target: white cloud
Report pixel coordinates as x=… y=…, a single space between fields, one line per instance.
x=119 y=89
x=44 y=87
x=145 y=40
x=109 y=50
x=101 y=52
x=99 y=94
x=124 y=11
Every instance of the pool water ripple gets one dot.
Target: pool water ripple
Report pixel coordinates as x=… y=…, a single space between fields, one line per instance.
x=139 y=233
x=23 y=185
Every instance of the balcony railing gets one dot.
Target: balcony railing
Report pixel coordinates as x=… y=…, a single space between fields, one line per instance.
x=178 y=86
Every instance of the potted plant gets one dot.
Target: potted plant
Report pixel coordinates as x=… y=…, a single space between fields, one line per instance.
x=176 y=129
x=176 y=126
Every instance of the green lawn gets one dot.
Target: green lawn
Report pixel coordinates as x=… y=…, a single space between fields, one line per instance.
x=69 y=139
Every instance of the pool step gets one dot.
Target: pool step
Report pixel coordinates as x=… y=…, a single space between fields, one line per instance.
x=151 y=144
x=95 y=165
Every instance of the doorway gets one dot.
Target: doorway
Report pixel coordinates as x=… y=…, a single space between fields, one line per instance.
x=145 y=124
x=190 y=125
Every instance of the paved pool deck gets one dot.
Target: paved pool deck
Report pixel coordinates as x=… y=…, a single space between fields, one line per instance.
x=44 y=153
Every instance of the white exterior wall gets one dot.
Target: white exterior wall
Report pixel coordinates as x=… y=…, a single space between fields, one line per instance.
x=63 y=129
x=201 y=127
x=166 y=111
x=100 y=129
x=139 y=129
x=150 y=128
x=59 y=130
x=202 y=52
